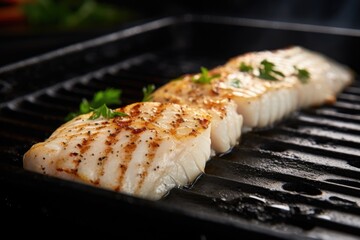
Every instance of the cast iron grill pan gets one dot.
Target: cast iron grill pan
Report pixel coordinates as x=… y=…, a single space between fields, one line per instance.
x=298 y=179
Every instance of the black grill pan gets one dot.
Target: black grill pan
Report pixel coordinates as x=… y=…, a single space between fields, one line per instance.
x=299 y=179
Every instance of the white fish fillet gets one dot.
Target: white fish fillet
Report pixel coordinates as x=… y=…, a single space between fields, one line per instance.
x=226 y=122
x=157 y=147
x=163 y=145
x=263 y=102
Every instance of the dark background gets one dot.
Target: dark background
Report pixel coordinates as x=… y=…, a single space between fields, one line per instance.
x=19 y=40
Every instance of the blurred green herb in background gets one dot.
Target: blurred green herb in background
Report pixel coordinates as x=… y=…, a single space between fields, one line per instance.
x=73 y=14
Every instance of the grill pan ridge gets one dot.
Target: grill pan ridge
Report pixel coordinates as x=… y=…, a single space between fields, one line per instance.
x=299 y=179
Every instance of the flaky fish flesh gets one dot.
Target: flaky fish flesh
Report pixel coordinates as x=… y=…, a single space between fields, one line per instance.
x=226 y=122
x=265 y=86
x=156 y=147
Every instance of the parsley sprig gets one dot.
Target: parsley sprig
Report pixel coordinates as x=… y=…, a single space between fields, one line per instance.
x=148 y=93
x=267 y=71
x=99 y=104
x=245 y=68
x=204 y=77
x=105 y=112
x=236 y=83
x=302 y=74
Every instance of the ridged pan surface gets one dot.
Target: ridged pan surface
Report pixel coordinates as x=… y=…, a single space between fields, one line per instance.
x=297 y=179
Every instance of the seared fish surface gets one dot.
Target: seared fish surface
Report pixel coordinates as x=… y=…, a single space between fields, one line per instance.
x=156 y=147
x=260 y=100
x=263 y=102
x=163 y=144
x=226 y=122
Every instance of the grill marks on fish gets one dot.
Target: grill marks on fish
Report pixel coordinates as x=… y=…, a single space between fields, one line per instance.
x=153 y=146
x=110 y=141
x=263 y=102
x=127 y=151
x=82 y=147
x=222 y=109
x=259 y=101
x=161 y=145
x=129 y=148
x=145 y=153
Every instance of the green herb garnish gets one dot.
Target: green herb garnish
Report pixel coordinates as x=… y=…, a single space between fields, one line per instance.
x=148 y=93
x=245 y=68
x=236 y=83
x=108 y=97
x=74 y=14
x=106 y=112
x=302 y=74
x=268 y=72
x=204 y=77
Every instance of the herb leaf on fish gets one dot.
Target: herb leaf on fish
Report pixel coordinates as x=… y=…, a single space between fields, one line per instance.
x=204 y=77
x=106 y=112
x=148 y=93
x=302 y=74
x=245 y=68
x=267 y=71
x=109 y=96
x=236 y=83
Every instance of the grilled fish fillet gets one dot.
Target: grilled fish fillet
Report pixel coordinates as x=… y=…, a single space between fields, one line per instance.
x=262 y=102
x=156 y=147
x=226 y=122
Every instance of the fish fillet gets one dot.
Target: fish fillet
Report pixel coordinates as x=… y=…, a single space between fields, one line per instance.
x=156 y=147
x=226 y=122
x=259 y=101
x=166 y=143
